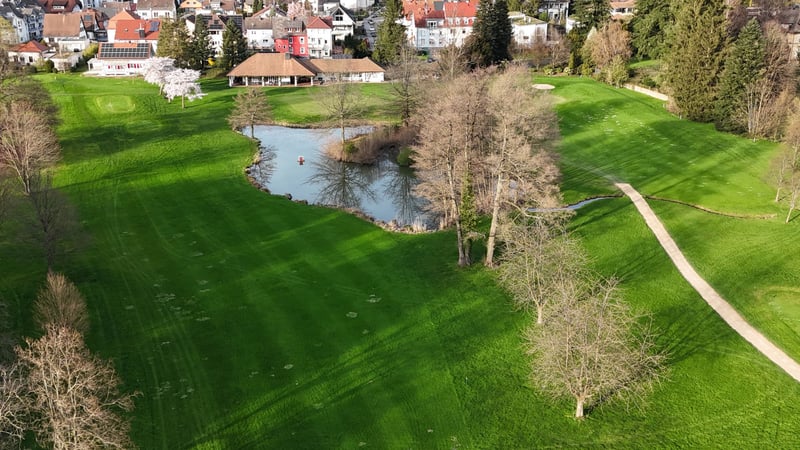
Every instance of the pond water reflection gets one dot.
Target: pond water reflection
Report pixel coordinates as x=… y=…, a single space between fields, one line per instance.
x=383 y=190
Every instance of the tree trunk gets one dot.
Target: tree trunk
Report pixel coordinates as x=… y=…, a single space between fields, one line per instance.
x=463 y=253
x=789 y=215
x=252 y=130
x=493 y=227
x=579 y=409
x=183 y=102
x=539 y=314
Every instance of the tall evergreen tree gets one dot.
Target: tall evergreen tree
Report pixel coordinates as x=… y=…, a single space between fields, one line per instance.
x=649 y=26
x=591 y=13
x=234 y=46
x=744 y=64
x=491 y=34
x=173 y=41
x=391 y=34
x=695 y=57
x=200 y=49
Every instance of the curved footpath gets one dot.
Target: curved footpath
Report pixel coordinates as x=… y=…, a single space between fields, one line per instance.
x=723 y=308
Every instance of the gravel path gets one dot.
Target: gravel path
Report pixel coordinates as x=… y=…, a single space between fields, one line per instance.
x=723 y=308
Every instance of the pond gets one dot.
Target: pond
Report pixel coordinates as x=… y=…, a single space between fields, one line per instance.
x=383 y=190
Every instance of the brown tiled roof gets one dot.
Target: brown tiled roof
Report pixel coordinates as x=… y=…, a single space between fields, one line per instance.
x=30 y=47
x=318 y=22
x=122 y=15
x=363 y=65
x=270 y=65
x=129 y=30
x=257 y=23
x=62 y=25
x=156 y=4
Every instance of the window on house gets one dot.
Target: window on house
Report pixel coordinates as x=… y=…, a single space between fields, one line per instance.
x=302 y=50
x=302 y=40
x=290 y=40
x=338 y=17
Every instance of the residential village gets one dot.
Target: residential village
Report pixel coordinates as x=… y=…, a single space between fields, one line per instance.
x=127 y=32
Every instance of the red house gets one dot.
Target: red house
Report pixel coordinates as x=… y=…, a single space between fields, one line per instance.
x=296 y=44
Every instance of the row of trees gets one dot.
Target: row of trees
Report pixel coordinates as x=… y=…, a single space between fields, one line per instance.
x=195 y=51
x=484 y=153
x=56 y=388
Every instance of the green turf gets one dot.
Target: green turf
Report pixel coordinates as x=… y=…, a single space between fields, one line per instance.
x=248 y=321
x=301 y=105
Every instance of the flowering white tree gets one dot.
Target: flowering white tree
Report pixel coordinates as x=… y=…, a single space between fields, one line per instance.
x=156 y=70
x=183 y=83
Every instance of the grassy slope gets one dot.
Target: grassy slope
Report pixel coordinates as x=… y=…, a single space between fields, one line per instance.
x=636 y=141
x=203 y=290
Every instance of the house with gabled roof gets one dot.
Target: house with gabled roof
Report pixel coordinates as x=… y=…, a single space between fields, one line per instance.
x=124 y=15
x=138 y=31
x=66 y=31
x=29 y=53
x=320 y=37
x=362 y=70
x=259 y=32
x=120 y=59
x=275 y=69
x=342 y=22
x=270 y=69
x=153 y=9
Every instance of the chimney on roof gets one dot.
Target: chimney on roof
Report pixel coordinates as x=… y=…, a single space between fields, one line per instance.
x=141 y=32
x=287 y=56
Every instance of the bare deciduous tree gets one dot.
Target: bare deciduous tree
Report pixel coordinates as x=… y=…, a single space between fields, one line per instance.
x=13 y=406
x=27 y=144
x=342 y=101
x=75 y=395
x=593 y=349
x=522 y=168
x=453 y=133
x=250 y=109
x=609 y=50
x=789 y=174
x=451 y=62
x=768 y=98
x=541 y=264
x=61 y=304
x=54 y=216
x=405 y=76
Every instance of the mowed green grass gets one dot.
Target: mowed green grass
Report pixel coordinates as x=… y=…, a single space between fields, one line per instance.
x=248 y=321
x=301 y=105
x=633 y=139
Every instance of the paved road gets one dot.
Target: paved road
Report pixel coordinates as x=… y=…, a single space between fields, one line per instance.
x=723 y=308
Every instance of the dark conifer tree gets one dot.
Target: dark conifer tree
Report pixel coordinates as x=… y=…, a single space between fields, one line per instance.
x=695 y=58
x=649 y=27
x=391 y=34
x=745 y=63
x=234 y=46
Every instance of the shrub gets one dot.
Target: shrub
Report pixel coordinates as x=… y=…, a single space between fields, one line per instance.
x=404 y=157
x=350 y=148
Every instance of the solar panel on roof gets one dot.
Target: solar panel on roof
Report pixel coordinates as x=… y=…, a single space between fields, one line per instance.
x=153 y=26
x=140 y=51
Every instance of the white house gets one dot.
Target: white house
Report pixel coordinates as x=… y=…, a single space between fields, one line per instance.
x=356 y=5
x=320 y=38
x=258 y=31
x=342 y=22
x=29 y=53
x=66 y=31
x=152 y=9
x=215 y=24
x=34 y=17
x=362 y=70
x=526 y=29
x=120 y=59
x=447 y=23
x=17 y=21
